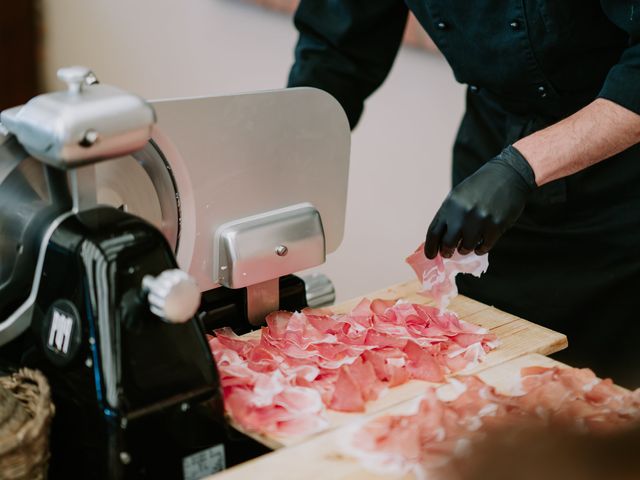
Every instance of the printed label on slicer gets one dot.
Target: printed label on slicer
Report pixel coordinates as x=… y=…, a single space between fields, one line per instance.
x=203 y=463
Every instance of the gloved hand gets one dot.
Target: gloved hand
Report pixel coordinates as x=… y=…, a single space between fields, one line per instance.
x=482 y=207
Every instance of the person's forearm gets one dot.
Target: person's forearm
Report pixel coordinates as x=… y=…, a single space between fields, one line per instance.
x=598 y=131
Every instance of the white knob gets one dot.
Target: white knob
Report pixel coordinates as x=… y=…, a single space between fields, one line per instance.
x=173 y=295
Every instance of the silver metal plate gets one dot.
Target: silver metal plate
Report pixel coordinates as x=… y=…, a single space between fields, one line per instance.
x=262 y=247
x=241 y=155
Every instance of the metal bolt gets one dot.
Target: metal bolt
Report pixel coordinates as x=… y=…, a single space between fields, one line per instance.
x=91 y=79
x=125 y=458
x=184 y=406
x=123 y=423
x=88 y=362
x=282 y=250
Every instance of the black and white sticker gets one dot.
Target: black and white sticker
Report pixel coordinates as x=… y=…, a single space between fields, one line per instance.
x=203 y=463
x=61 y=334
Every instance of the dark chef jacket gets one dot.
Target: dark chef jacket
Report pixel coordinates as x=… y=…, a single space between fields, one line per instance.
x=572 y=261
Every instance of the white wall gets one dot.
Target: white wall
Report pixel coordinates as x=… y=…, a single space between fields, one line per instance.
x=401 y=150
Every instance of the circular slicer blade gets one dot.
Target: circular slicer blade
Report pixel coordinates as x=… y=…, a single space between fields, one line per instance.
x=142 y=184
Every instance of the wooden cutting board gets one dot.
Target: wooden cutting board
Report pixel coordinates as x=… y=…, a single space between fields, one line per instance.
x=517 y=336
x=320 y=458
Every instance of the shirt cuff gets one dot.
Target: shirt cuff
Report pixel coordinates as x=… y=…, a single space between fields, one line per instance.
x=622 y=86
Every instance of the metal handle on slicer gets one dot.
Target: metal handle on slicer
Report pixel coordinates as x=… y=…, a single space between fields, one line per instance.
x=319 y=289
x=173 y=295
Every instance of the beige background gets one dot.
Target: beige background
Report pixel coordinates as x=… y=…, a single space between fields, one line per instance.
x=401 y=150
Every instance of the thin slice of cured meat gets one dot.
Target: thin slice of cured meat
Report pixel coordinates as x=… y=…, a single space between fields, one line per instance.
x=388 y=445
x=438 y=276
x=422 y=365
x=347 y=397
x=389 y=365
x=279 y=417
x=338 y=361
x=451 y=418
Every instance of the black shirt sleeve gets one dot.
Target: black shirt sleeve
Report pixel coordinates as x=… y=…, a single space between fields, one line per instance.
x=622 y=84
x=347 y=47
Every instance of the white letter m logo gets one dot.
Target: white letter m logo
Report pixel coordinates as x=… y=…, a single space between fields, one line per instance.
x=60 y=332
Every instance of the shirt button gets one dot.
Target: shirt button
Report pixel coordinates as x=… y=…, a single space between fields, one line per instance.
x=515 y=25
x=542 y=90
x=442 y=26
x=474 y=88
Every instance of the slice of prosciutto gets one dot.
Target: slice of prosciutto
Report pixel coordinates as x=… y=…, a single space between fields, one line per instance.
x=306 y=362
x=438 y=276
x=451 y=418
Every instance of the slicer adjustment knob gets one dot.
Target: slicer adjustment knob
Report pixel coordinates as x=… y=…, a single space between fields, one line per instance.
x=173 y=295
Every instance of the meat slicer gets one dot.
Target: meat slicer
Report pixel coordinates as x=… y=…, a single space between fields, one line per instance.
x=124 y=240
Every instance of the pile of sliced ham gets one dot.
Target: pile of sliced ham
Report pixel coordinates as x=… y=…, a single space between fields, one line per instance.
x=438 y=276
x=307 y=361
x=443 y=428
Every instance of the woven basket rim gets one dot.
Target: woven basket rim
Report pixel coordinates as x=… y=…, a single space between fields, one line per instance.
x=43 y=411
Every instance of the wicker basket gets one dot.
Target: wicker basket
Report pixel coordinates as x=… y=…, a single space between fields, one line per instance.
x=25 y=417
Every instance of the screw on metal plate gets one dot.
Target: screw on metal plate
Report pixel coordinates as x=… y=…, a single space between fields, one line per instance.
x=88 y=362
x=282 y=250
x=125 y=458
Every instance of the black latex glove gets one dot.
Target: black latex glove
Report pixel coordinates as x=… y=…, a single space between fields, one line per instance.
x=482 y=207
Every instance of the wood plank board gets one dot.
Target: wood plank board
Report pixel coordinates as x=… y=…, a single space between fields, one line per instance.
x=517 y=336
x=319 y=458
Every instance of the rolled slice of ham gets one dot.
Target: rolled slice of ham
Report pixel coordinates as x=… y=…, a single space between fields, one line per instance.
x=438 y=276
